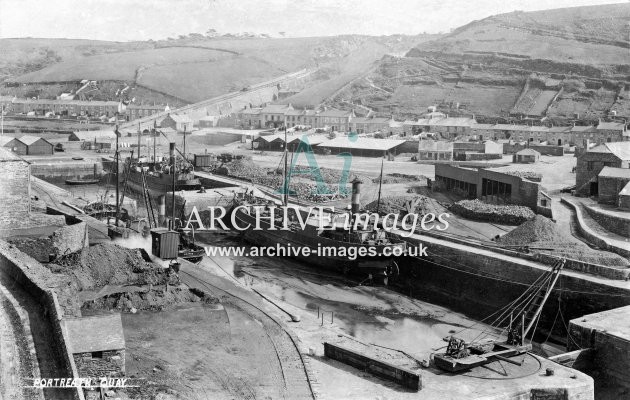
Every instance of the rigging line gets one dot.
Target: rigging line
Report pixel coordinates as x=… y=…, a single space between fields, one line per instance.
x=569 y=332
x=554 y=322
x=498 y=278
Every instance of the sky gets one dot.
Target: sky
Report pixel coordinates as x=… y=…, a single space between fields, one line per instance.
x=127 y=20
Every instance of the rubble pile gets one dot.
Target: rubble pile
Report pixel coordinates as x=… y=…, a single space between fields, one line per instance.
x=398 y=178
x=503 y=214
x=302 y=184
x=543 y=236
x=156 y=299
x=524 y=174
x=110 y=264
x=539 y=229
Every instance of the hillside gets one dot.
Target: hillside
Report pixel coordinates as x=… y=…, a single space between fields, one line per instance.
x=189 y=69
x=563 y=64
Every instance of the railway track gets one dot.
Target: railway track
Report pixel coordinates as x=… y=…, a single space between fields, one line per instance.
x=292 y=372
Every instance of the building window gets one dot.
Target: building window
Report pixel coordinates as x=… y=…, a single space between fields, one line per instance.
x=97 y=354
x=590 y=165
x=543 y=202
x=609 y=164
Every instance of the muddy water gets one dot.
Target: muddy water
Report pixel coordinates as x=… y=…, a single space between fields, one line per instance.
x=370 y=314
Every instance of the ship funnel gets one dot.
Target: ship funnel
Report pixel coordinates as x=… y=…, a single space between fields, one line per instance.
x=356 y=195
x=171 y=153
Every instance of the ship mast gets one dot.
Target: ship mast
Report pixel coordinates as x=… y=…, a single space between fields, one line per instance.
x=173 y=173
x=380 y=186
x=116 y=157
x=285 y=192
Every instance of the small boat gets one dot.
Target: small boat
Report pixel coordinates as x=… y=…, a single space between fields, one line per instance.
x=82 y=181
x=522 y=316
x=188 y=249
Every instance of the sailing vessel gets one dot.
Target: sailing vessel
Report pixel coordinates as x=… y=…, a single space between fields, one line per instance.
x=373 y=247
x=522 y=316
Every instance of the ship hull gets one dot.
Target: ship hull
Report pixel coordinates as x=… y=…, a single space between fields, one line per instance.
x=362 y=267
x=162 y=184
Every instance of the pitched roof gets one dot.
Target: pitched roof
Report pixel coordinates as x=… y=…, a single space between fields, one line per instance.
x=619 y=149
x=625 y=191
x=452 y=121
x=333 y=112
x=312 y=140
x=275 y=109
x=343 y=142
x=29 y=140
x=578 y=128
x=273 y=138
x=611 y=172
x=528 y=152
x=91 y=135
x=95 y=333
x=560 y=129
x=613 y=126
x=251 y=111
x=5 y=139
x=294 y=112
x=483 y=126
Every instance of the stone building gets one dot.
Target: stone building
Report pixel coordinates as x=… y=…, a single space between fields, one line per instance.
x=494 y=187
x=437 y=150
x=180 y=123
x=611 y=182
x=15 y=181
x=97 y=344
x=526 y=156
x=591 y=163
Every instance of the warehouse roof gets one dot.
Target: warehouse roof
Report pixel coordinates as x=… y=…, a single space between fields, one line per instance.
x=344 y=142
x=95 y=333
x=312 y=140
x=91 y=135
x=29 y=140
x=276 y=109
x=611 y=172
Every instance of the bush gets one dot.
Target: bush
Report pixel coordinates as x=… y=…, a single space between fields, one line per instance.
x=502 y=214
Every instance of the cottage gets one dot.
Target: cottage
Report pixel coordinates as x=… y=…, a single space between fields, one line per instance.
x=370 y=124
x=97 y=344
x=273 y=115
x=611 y=131
x=181 y=123
x=208 y=121
x=435 y=150
x=36 y=145
x=336 y=120
x=526 y=156
x=591 y=163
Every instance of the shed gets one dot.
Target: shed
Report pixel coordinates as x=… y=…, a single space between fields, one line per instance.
x=36 y=145
x=526 y=156
x=270 y=142
x=368 y=147
x=100 y=135
x=97 y=344
x=209 y=121
x=14 y=145
x=612 y=181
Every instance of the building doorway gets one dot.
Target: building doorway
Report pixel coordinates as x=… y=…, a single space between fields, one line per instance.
x=594 y=189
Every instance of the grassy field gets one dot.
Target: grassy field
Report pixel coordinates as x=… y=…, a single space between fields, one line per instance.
x=123 y=66
x=594 y=35
x=203 y=80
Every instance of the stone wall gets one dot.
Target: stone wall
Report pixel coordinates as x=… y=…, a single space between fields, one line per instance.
x=611 y=347
x=38 y=281
x=613 y=223
x=548 y=150
x=111 y=364
x=15 y=194
x=67 y=170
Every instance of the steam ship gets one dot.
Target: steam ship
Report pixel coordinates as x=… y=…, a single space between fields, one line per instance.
x=159 y=176
x=374 y=248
